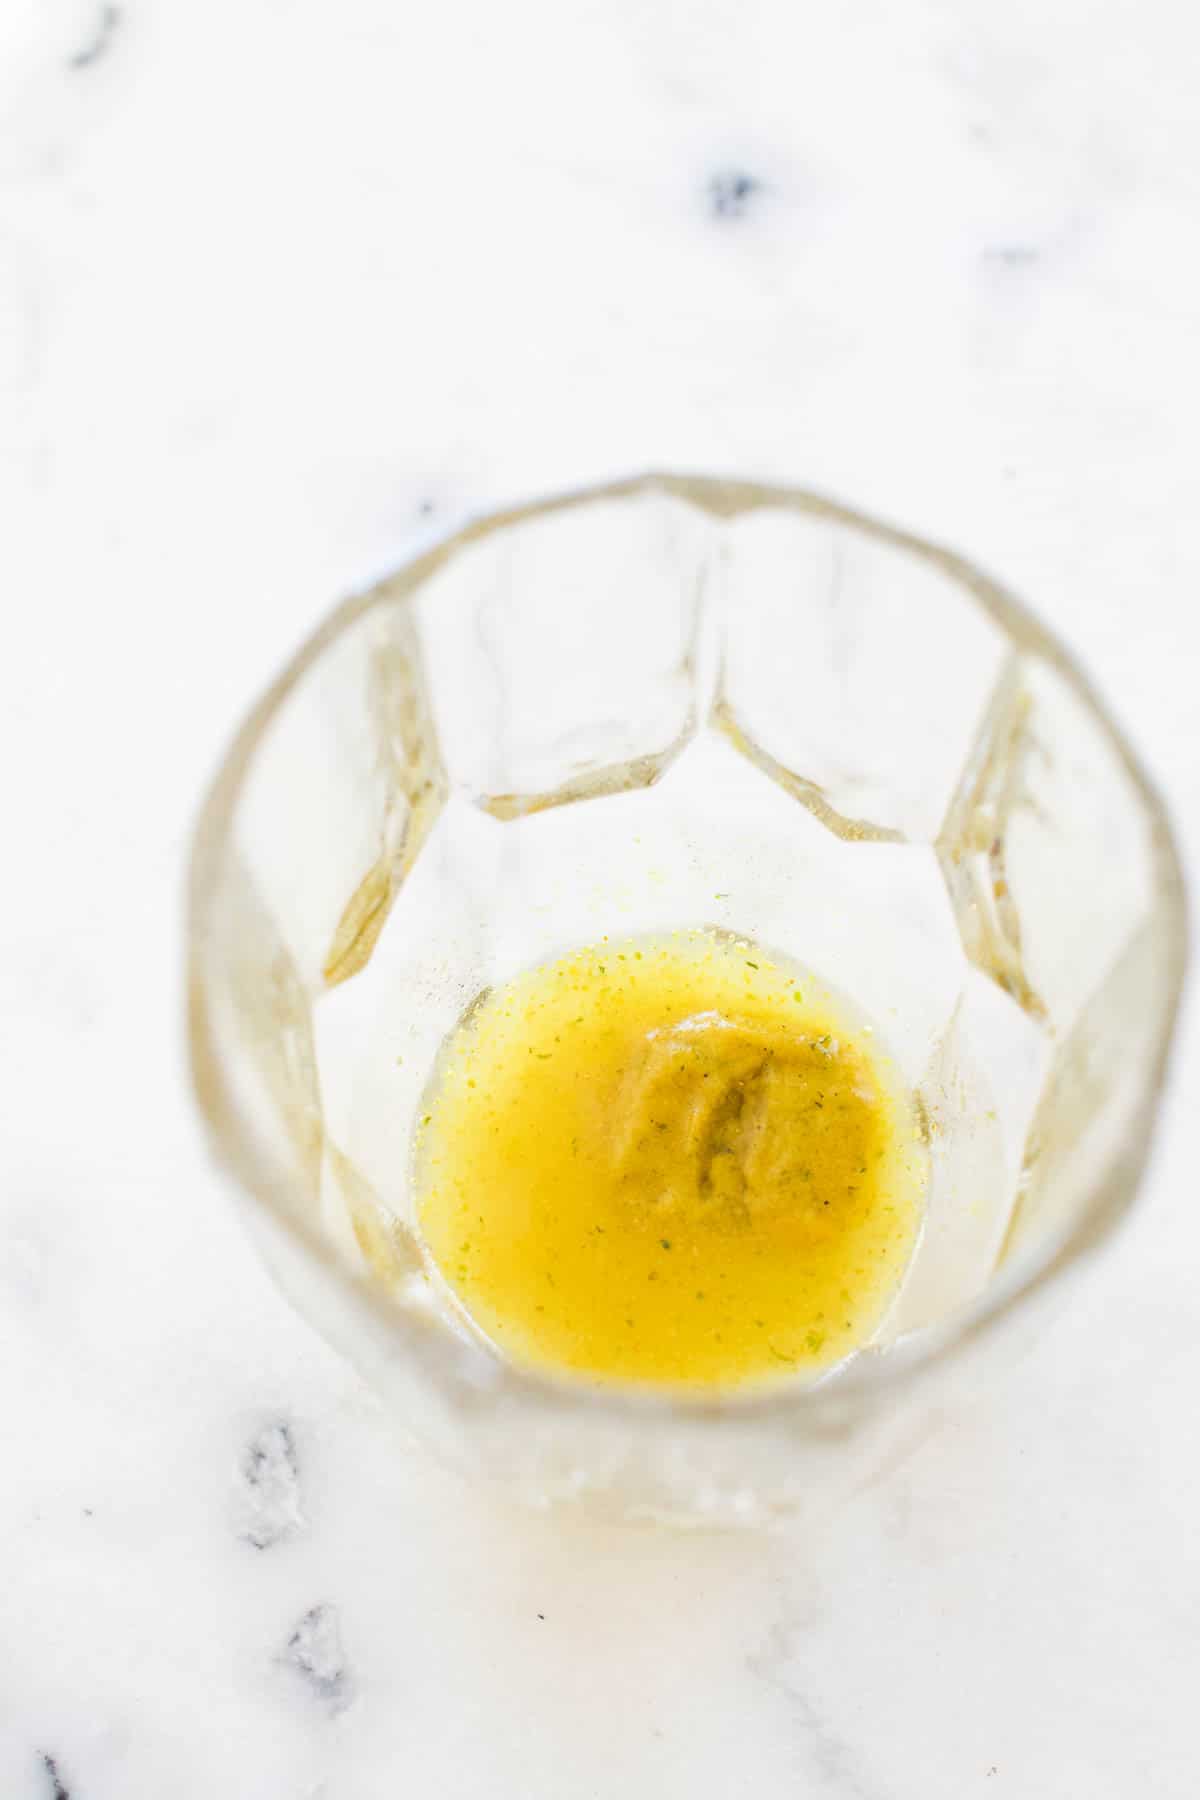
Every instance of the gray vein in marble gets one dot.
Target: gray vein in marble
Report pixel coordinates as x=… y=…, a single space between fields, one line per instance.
x=731 y=193
x=314 y=1650
x=58 y=1789
x=1011 y=256
x=833 y=1761
x=269 y=1507
x=100 y=42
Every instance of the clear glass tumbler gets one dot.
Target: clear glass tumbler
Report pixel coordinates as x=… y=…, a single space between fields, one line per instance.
x=677 y=702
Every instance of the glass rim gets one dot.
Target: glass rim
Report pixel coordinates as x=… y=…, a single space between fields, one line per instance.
x=237 y=1149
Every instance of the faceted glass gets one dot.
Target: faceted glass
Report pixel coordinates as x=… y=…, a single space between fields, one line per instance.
x=671 y=703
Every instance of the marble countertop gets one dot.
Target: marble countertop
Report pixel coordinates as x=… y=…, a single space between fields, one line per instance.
x=281 y=286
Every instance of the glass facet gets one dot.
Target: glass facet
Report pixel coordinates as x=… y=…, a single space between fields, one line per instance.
x=676 y=703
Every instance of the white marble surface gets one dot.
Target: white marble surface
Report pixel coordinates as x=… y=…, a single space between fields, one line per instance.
x=280 y=283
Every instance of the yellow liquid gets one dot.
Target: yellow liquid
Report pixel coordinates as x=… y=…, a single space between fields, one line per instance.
x=669 y=1161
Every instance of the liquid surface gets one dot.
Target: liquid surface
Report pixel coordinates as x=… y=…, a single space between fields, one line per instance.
x=672 y=1161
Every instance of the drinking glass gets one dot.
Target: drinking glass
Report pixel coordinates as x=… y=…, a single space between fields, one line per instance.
x=679 y=702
